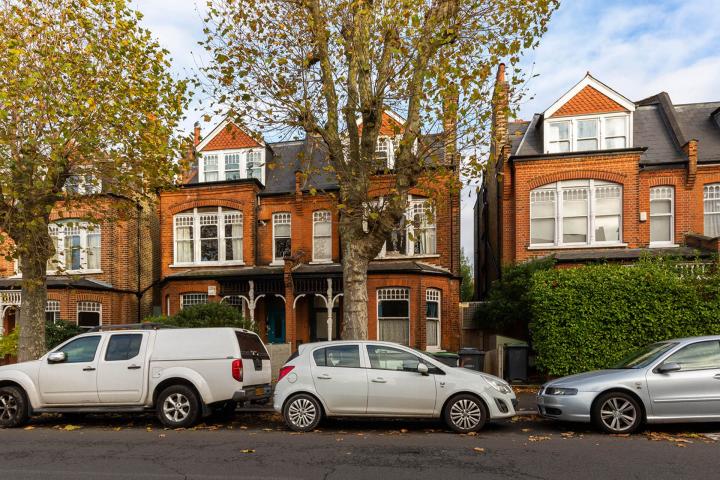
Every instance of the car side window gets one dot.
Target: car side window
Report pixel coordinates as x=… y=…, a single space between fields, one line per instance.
x=389 y=358
x=81 y=350
x=123 y=347
x=345 y=356
x=697 y=356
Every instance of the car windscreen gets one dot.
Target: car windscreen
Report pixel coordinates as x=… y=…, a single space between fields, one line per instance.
x=251 y=345
x=644 y=356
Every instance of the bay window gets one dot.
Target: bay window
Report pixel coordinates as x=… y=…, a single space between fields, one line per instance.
x=576 y=213
x=415 y=233
x=322 y=236
x=711 y=206
x=89 y=314
x=209 y=235
x=76 y=246
x=661 y=216
x=587 y=133
x=281 y=236
x=394 y=315
x=191 y=299
x=432 y=317
x=52 y=311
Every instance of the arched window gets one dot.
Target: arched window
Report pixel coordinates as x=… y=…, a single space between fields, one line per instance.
x=711 y=203
x=209 y=235
x=662 y=212
x=394 y=315
x=282 y=245
x=77 y=246
x=576 y=213
x=89 y=314
x=432 y=317
x=322 y=236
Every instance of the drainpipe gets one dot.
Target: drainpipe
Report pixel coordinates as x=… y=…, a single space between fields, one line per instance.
x=139 y=293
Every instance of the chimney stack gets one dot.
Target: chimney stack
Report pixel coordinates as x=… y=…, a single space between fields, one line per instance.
x=450 y=112
x=196 y=138
x=501 y=110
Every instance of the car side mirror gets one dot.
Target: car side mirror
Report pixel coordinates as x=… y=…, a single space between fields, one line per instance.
x=669 y=367
x=57 y=357
x=423 y=369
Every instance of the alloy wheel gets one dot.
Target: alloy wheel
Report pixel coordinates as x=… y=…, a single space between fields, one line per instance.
x=176 y=407
x=618 y=414
x=8 y=407
x=465 y=414
x=302 y=412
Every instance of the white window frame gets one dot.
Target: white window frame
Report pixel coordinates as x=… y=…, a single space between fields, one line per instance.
x=221 y=213
x=321 y=216
x=434 y=295
x=591 y=242
x=280 y=218
x=414 y=203
x=88 y=307
x=222 y=155
x=218 y=164
x=53 y=306
x=600 y=133
x=195 y=298
x=393 y=293
x=711 y=193
x=657 y=191
x=385 y=144
x=59 y=230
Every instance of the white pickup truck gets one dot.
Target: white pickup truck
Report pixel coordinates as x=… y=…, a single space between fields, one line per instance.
x=184 y=374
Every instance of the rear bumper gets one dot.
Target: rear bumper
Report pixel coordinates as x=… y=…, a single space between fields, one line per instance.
x=255 y=392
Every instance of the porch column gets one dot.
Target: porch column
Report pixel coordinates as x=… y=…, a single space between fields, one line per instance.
x=290 y=325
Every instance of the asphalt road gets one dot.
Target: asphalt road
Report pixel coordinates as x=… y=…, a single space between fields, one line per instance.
x=256 y=445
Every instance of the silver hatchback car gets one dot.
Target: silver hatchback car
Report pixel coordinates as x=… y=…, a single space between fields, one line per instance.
x=666 y=382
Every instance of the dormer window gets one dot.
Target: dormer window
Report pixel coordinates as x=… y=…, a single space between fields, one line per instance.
x=232 y=165
x=587 y=133
x=385 y=152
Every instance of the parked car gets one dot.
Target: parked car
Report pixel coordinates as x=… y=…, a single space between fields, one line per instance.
x=672 y=381
x=382 y=379
x=182 y=374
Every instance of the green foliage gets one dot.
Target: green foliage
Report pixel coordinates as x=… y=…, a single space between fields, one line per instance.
x=590 y=317
x=207 y=315
x=467 y=289
x=55 y=334
x=508 y=300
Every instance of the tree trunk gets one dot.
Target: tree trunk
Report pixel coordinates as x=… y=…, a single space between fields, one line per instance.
x=355 y=298
x=31 y=344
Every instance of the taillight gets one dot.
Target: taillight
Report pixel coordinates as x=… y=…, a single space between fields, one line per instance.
x=285 y=370
x=237 y=370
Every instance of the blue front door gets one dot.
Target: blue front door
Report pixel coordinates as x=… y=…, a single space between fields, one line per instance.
x=276 y=320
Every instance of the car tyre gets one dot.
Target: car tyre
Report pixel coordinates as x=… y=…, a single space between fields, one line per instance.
x=178 y=406
x=302 y=413
x=617 y=413
x=14 y=411
x=465 y=413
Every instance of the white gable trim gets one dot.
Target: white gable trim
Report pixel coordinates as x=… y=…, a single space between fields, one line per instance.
x=219 y=129
x=589 y=80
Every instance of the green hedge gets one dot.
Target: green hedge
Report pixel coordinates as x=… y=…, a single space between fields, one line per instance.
x=589 y=317
x=206 y=315
x=55 y=334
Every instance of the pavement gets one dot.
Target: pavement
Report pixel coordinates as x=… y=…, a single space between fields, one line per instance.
x=257 y=445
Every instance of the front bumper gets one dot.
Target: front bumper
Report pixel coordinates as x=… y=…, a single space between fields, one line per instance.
x=255 y=392
x=571 y=408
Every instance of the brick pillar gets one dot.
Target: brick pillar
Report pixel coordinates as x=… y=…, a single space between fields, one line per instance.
x=691 y=151
x=290 y=325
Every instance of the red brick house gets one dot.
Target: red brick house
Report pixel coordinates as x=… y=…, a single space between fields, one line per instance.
x=254 y=224
x=102 y=273
x=598 y=177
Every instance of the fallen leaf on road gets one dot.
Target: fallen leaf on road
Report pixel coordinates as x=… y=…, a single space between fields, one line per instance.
x=567 y=434
x=479 y=449
x=243 y=427
x=538 y=438
x=117 y=429
x=471 y=434
x=712 y=436
x=525 y=430
x=247 y=450
x=267 y=429
x=680 y=445
x=162 y=435
x=403 y=430
x=70 y=428
x=30 y=428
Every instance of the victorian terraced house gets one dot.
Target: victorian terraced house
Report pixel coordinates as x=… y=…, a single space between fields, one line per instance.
x=598 y=177
x=254 y=224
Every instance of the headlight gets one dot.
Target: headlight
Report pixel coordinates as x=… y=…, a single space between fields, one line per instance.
x=500 y=386
x=560 y=391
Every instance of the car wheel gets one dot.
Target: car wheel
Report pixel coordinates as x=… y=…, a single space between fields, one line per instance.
x=13 y=407
x=465 y=413
x=302 y=413
x=617 y=412
x=178 y=407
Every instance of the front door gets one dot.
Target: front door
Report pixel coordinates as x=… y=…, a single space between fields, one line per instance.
x=121 y=370
x=73 y=381
x=276 y=320
x=694 y=390
x=394 y=384
x=339 y=379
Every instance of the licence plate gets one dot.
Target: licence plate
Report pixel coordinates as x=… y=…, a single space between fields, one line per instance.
x=260 y=391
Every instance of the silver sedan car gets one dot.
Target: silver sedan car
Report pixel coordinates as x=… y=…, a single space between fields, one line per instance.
x=666 y=382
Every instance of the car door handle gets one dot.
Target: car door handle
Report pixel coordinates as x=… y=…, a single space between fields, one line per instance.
x=324 y=376
x=379 y=380
x=134 y=367
x=89 y=369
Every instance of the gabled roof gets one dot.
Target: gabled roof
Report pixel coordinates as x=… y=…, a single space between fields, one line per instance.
x=607 y=100
x=227 y=136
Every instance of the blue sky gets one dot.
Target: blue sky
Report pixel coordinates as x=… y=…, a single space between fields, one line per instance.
x=638 y=48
